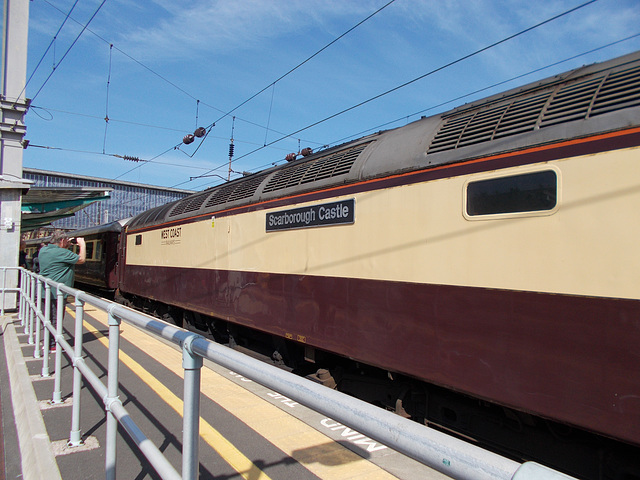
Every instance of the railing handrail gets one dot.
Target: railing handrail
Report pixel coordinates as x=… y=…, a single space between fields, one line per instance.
x=435 y=449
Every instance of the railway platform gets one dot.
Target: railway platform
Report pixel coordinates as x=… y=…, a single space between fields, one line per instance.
x=246 y=430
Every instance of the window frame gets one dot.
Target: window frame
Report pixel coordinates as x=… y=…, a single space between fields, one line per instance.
x=90 y=249
x=512 y=173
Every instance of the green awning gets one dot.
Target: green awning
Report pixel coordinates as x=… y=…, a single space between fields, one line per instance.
x=43 y=205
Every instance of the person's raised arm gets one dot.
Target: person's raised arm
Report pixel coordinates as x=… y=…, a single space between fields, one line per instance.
x=82 y=253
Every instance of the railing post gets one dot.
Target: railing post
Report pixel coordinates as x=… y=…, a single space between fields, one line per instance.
x=192 y=364
x=75 y=438
x=25 y=299
x=32 y=301
x=21 y=299
x=4 y=290
x=112 y=395
x=36 y=350
x=57 y=392
x=4 y=284
x=27 y=296
x=47 y=322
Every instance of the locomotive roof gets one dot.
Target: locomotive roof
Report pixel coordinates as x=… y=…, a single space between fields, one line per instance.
x=591 y=99
x=116 y=226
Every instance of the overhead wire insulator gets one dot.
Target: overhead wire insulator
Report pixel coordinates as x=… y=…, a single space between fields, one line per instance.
x=200 y=132
x=231 y=147
x=131 y=159
x=187 y=139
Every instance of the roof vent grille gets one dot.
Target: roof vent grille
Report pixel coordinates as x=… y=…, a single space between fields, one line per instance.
x=620 y=90
x=151 y=216
x=189 y=204
x=329 y=166
x=235 y=191
x=578 y=100
x=521 y=116
x=571 y=102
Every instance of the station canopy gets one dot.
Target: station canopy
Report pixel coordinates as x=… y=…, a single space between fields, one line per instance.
x=43 y=205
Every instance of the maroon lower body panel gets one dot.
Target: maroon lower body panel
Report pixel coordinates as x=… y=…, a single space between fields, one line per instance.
x=92 y=273
x=569 y=358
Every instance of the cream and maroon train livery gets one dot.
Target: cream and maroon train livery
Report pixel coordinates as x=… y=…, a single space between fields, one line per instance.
x=491 y=251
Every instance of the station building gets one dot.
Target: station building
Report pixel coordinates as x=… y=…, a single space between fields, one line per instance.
x=95 y=200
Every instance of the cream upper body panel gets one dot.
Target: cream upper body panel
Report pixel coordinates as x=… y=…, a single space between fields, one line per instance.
x=418 y=233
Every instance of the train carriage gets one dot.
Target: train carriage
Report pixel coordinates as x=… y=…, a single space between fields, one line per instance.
x=490 y=251
x=103 y=248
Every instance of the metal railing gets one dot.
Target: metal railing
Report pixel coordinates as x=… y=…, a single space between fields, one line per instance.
x=441 y=452
x=4 y=289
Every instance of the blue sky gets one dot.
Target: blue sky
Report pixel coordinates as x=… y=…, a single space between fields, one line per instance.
x=176 y=64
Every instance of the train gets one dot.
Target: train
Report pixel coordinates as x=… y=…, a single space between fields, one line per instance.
x=102 y=251
x=476 y=270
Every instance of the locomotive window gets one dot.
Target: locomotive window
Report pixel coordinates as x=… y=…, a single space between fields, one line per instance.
x=529 y=192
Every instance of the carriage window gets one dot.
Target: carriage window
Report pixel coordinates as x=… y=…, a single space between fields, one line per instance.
x=89 y=255
x=530 y=192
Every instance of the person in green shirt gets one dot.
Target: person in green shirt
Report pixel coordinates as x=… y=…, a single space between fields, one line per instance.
x=57 y=263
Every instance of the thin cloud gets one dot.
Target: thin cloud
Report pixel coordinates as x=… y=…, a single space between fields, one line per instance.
x=230 y=26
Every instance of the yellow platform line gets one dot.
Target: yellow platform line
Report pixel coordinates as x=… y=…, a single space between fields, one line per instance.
x=227 y=451
x=319 y=454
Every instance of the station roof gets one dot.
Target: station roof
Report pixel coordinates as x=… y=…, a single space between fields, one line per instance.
x=102 y=181
x=43 y=205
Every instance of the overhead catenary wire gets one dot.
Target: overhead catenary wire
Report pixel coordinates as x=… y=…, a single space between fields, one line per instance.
x=163 y=78
x=272 y=84
x=405 y=84
x=153 y=72
x=112 y=46
x=466 y=95
x=51 y=44
x=483 y=89
x=36 y=108
x=124 y=157
x=69 y=49
x=271 y=145
x=131 y=58
x=106 y=114
x=306 y=60
x=266 y=132
x=364 y=132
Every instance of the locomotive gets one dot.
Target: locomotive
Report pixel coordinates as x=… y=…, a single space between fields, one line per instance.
x=476 y=270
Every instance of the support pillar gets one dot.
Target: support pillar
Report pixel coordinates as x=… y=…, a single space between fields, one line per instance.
x=12 y=130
